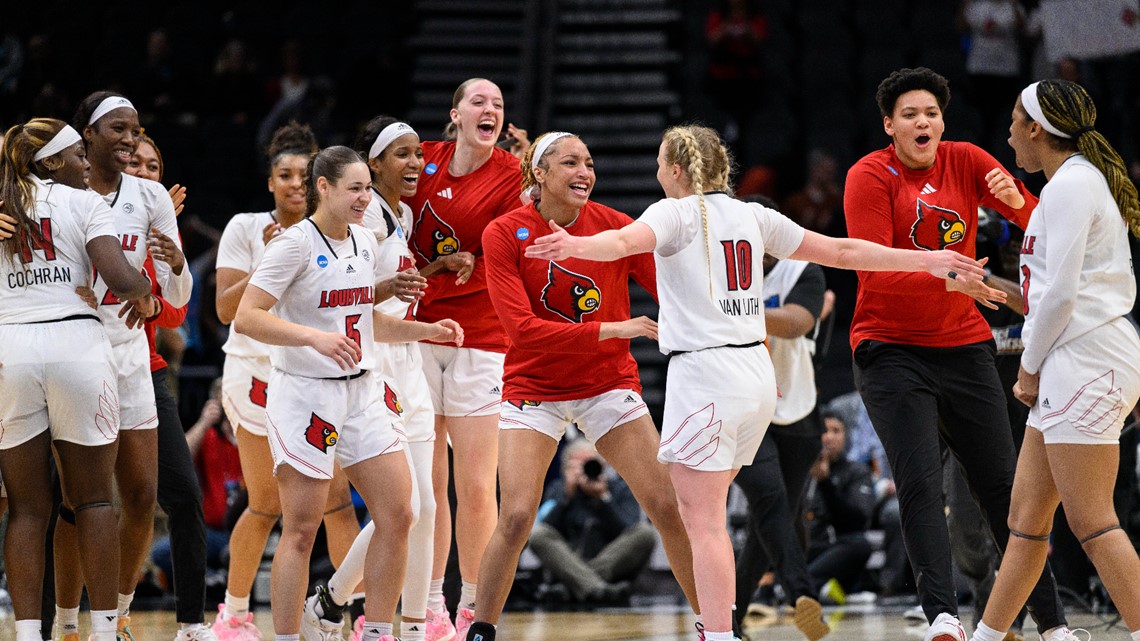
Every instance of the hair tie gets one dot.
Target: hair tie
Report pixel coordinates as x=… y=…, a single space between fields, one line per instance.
x=1083 y=130
x=1033 y=107
x=63 y=139
x=387 y=136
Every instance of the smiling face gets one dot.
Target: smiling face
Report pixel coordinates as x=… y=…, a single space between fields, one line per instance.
x=1023 y=134
x=397 y=168
x=568 y=176
x=347 y=198
x=144 y=163
x=916 y=127
x=74 y=169
x=479 y=115
x=112 y=140
x=287 y=184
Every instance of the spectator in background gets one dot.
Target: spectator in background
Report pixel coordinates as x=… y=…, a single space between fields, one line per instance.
x=840 y=501
x=213 y=447
x=235 y=78
x=735 y=32
x=995 y=28
x=590 y=535
x=819 y=205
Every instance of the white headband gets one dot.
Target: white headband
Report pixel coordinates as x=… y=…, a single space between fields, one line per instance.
x=110 y=104
x=544 y=143
x=1033 y=108
x=65 y=138
x=387 y=135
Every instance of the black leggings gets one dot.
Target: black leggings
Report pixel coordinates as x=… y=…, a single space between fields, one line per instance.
x=774 y=487
x=180 y=496
x=907 y=389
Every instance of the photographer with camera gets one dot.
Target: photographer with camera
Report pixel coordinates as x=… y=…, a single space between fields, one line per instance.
x=590 y=535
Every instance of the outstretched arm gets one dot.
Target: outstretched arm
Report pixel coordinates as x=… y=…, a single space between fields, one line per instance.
x=852 y=253
x=612 y=244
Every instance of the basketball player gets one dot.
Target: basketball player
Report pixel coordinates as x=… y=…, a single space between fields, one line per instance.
x=1080 y=372
x=916 y=364
x=57 y=370
x=565 y=319
x=245 y=386
x=145 y=221
x=721 y=390
x=319 y=279
x=395 y=159
x=468 y=181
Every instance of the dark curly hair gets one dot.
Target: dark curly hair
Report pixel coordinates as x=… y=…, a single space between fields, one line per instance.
x=292 y=139
x=904 y=80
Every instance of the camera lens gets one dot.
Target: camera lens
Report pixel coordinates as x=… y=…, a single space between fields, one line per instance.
x=592 y=469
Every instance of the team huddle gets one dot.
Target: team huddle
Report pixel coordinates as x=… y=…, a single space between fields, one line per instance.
x=404 y=297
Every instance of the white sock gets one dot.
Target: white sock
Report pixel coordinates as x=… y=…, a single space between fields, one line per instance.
x=412 y=631
x=986 y=633
x=373 y=631
x=351 y=570
x=236 y=607
x=435 y=596
x=467 y=595
x=287 y=637
x=67 y=620
x=28 y=630
x=719 y=636
x=125 y=604
x=1136 y=636
x=104 y=624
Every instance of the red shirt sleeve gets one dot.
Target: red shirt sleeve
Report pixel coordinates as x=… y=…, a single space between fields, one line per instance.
x=983 y=162
x=508 y=295
x=867 y=206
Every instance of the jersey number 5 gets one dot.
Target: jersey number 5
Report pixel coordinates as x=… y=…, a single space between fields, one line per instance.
x=350 y=328
x=738 y=263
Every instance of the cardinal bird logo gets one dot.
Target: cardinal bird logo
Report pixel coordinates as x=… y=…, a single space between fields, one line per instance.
x=524 y=404
x=570 y=295
x=434 y=238
x=321 y=434
x=392 y=401
x=258 y=391
x=936 y=228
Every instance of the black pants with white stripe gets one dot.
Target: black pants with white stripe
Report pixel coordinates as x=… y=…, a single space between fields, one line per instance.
x=916 y=395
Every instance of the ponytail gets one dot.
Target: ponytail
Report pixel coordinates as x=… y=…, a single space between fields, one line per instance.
x=17 y=189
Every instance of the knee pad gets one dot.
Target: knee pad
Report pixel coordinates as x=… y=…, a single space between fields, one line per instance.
x=1028 y=537
x=89 y=506
x=66 y=515
x=1106 y=530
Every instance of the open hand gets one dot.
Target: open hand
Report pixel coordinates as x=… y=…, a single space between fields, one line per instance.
x=408 y=286
x=462 y=263
x=135 y=312
x=1004 y=188
x=951 y=265
x=449 y=332
x=555 y=246
x=521 y=142
x=979 y=291
x=178 y=195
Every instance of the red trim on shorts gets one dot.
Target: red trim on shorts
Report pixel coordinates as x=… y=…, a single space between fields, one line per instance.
x=472 y=412
x=136 y=426
x=1111 y=384
x=277 y=433
x=623 y=416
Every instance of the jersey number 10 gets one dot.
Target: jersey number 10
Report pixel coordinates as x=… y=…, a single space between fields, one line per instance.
x=738 y=263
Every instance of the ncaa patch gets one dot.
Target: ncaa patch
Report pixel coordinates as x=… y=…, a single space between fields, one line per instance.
x=522 y=233
x=431 y=168
x=322 y=261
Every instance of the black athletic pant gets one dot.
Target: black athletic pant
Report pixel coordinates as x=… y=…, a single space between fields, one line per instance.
x=906 y=390
x=774 y=487
x=180 y=496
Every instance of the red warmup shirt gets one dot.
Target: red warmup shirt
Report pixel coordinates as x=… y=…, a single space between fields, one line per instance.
x=170 y=317
x=931 y=209
x=449 y=215
x=553 y=312
x=219 y=467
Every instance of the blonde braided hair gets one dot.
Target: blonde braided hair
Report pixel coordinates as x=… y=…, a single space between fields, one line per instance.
x=705 y=158
x=1069 y=108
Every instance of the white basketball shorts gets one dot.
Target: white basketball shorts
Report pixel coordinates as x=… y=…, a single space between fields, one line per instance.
x=463 y=381
x=245 y=386
x=594 y=416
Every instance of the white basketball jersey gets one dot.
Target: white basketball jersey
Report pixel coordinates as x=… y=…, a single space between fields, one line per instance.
x=791 y=357
x=394 y=254
x=710 y=296
x=241 y=248
x=324 y=284
x=139 y=205
x=1076 y=269
x=39 y=282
